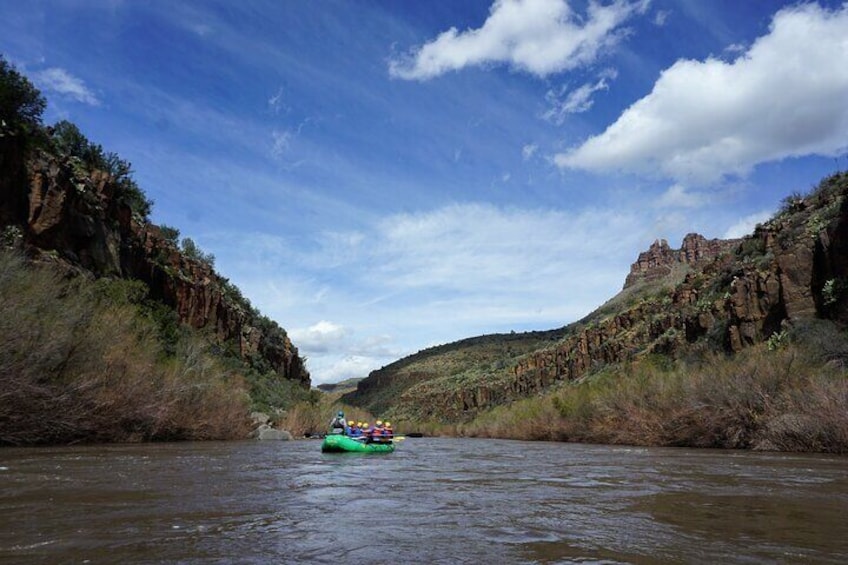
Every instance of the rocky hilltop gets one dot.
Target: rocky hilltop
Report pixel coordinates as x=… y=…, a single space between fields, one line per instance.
x=659 y=261
x=74 y=218
x=709 y=294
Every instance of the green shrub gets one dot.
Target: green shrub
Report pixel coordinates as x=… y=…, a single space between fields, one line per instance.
x=171 y=234
x=191 y=250
x=21 y=104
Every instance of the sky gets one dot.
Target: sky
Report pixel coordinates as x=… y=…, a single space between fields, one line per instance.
x=380 y=177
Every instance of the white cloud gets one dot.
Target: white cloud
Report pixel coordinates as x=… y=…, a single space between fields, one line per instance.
x=540 y=37
x=320 y=337
x=528 y=151
x=785 y=97
x=281 y=143
x=337 y=369
x=678 y=197
x=201 y=29
x=745 y=226
x=276 y=102
x=479 y=248
x=62 y=82
x=661 y=17
x=577 y=101
x=402 y=282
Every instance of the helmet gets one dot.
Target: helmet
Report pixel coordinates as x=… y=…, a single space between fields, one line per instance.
x=359 y=424
x=388 y=424
x=379 y=422
x=350 y=422
x=341 y=414
x=364 y=424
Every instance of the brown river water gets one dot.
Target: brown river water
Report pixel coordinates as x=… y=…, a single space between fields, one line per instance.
x=432 y=501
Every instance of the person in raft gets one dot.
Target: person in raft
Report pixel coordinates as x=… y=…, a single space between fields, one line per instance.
x=338 y=424
x=353 y=429
x=378 y=433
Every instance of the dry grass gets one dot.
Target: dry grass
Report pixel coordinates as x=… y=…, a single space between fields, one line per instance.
x=787 y=400
x=75 y=367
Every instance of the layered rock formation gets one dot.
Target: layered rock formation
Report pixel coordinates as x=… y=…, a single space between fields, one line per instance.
x=734 y=294
x=73 y=218
x=659 y=260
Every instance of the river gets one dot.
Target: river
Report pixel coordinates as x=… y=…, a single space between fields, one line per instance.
x=432 y=501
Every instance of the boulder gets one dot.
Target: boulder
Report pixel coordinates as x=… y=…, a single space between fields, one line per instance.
x=266 y=432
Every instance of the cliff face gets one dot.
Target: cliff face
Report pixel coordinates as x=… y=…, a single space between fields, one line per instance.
x=659 y=260
x=72 y=217
x=735 y=294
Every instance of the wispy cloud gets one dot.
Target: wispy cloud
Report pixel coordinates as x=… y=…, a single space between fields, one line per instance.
x=661 y=17
x=481 y=248
x=528 y=151
x=677 y=196
x=745 y=226
x=281 y=143
x=563 y=102
x=704 y=120
x=541 y=37
x=64 y=83
x=276 y=103
x=483 y=267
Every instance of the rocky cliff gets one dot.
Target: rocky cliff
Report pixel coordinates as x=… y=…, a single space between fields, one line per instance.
x=71 y=216
x=731 y=294
x=660 y=260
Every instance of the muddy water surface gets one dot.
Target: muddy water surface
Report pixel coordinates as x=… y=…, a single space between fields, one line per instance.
x=432 y=501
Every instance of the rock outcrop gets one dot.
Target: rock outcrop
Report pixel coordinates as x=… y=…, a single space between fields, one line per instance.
x=74 y=218
x=659 y=260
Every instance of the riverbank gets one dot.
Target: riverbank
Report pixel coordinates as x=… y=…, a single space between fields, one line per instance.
x=790 y=396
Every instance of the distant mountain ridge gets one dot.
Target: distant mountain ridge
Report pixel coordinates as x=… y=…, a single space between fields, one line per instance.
x=719 y=294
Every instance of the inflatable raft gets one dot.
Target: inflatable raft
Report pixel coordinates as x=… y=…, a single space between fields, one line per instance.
x=338 y=443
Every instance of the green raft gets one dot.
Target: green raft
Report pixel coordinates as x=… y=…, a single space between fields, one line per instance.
x=338 y=443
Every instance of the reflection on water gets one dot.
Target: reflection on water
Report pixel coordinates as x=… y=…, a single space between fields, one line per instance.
x=432 y=501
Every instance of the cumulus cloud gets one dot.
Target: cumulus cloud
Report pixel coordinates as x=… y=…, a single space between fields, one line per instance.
x=784 y=97
x=320 y=337
x=64 y=83
x=540 y=37
x=564 y=102
x=337 y=369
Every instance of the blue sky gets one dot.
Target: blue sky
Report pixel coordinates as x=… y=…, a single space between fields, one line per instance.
x=383 y=176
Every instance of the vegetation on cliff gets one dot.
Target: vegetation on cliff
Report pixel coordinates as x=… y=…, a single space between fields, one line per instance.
x=789 y=395
x=84 y=360
x=112 y=330
x=711 y=345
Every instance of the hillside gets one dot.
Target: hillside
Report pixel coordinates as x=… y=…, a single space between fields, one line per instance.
x=74 y=212
x=707 y=296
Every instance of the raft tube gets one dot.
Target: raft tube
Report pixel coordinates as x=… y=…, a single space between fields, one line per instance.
x=338 y=443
